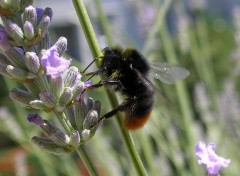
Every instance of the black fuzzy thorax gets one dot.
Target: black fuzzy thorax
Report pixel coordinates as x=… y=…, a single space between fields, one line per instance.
x=118 y=65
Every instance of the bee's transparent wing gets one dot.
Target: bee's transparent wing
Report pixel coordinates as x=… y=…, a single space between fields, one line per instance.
x=167 y=73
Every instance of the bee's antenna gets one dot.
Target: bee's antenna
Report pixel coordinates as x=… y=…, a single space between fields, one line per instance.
x=90 y=77
x=89 y=65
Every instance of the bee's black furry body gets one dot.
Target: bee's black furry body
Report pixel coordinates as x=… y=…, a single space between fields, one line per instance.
x=119 y=65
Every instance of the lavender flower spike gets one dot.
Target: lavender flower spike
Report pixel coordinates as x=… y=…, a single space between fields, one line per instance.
x=206 y=155
x=54 y=64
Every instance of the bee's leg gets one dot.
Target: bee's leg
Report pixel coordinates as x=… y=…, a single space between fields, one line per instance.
x=121 y=107
x=92 y=74
x=100 y=84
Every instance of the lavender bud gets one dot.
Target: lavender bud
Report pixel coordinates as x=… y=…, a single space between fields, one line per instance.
x=69 y=111
x=30 y=14
x=56 y=86
x=32 y=62
x=48 y=99
x=71 y=76
x=65 y=97
x=48 y=12
x=86 y=135
x=4 y=43
x=61 y=45
x=55 y=134
x=38 y=104
x=13 y=30
x=75 y=139
x=28 y=30
x=19 y=74
x=48 y=145
x=4 y=61
x=90 y=103
x=77 y=89
x=15 y=57
x=39 y=13
x=79 y=113
x=43 y=25
x=22 y=96
x=45 y=41
x=35 y=119
x=91 y=120
x=4 y=72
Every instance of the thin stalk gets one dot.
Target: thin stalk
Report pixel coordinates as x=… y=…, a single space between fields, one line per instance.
x=92 y=42
x=128 y=141
x=162 y=11
x=148 y=153
x=82 y=152
x=202 y=33
x=87 y=27
x=103 y=22
x=183 y=99
x=65 y=123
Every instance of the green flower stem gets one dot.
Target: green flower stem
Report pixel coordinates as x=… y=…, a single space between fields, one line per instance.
x=183 y=98
x=103 y=22
x=147 y=151
x=87 y=27
x=92 y=42
x=64 y=121
x=82 y=152
x=162 y=11
x=207 y=68
x=95 y=50
x=127 y=139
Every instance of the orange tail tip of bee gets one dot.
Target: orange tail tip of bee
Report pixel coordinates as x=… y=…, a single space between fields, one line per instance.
x=133 y=123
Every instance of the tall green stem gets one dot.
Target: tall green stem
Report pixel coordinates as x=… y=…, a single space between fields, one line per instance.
x=87 y=27
x=92 y=42
x=183 y=99
x=82 y=152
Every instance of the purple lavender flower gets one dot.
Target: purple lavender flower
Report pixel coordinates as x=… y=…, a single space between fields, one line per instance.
x=54 y=64
x=206 y=155
x=35 y=119
x=39 y=12
x=88 y=83
x=4 y=44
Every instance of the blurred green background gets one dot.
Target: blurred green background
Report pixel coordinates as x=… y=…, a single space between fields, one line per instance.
x=202 y=36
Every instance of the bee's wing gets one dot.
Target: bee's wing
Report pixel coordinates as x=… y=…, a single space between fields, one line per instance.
x=167 y=73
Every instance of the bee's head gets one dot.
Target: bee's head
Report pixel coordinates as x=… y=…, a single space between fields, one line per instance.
x=111 y=58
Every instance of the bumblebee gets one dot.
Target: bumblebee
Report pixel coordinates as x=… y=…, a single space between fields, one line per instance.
x=127 y=72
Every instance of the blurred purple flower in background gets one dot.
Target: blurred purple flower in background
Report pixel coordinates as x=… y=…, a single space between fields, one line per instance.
x=54 y=64
x=206 y=155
